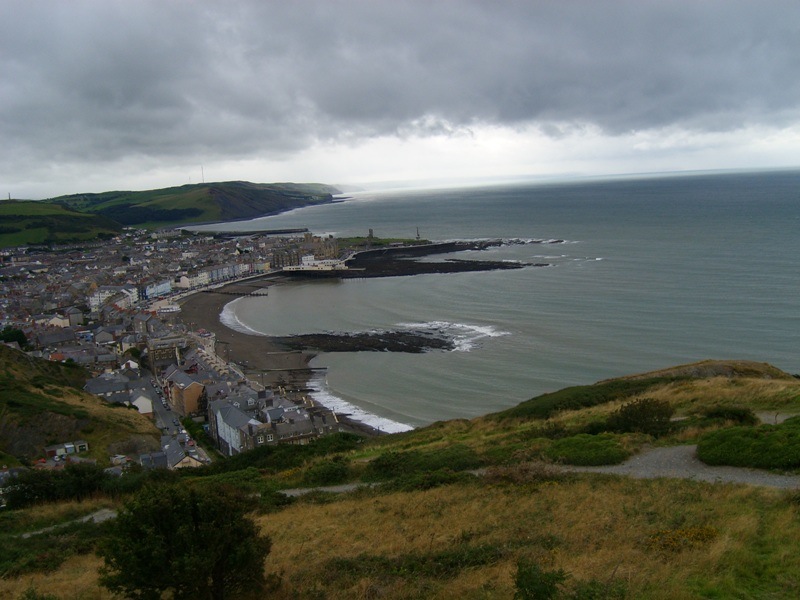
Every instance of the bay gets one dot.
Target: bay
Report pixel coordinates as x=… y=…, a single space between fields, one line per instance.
x=644 y=273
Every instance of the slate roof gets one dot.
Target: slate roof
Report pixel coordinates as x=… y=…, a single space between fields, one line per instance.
x=181 y=379
x=232 y=416
x=107 y=383
x=154 y=460
x=175 y=453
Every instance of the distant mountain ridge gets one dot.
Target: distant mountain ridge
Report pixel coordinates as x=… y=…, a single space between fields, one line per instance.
x=92 y=216
x=200 y=202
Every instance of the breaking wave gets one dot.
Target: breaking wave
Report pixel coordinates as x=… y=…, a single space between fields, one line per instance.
x=230 y=319
x=320 y=393
x=465 y=337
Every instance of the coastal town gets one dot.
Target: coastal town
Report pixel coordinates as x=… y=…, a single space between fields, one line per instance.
x=114 y=308
x=140 y=312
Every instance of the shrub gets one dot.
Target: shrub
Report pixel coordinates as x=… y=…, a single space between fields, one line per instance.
x=737 y=414
x=328 y=472
x=642 y=416
x=587 y=450
x=284 y=456
x=388 y=465
x=762 y=447
x=46 y=551
x=75 y=482
x=534 y=583
x=428 y=480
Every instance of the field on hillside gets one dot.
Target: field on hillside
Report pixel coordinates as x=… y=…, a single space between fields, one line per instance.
x=44 y=222
x=469 y=508
x=661 y=539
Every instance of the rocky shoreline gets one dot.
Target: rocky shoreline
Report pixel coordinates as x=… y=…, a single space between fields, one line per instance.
x=371 y=341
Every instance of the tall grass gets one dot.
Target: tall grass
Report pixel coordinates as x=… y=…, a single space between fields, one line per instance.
x=660 y=538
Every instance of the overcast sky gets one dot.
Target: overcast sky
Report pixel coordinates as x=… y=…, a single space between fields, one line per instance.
x=99 y=95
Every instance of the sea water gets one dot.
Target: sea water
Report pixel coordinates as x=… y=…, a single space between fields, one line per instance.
x=644 y=273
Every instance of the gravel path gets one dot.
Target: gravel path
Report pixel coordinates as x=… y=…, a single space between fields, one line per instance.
x=334 y=489
x=104 y=514
x=681 y=462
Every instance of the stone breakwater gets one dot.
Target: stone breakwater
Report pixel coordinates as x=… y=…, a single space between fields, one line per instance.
x=403 y=261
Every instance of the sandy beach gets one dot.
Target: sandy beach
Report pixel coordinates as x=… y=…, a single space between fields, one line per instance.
x=263 y=359
x=257 y=353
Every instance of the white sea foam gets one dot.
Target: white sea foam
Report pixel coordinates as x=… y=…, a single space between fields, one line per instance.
x=323 y=395
x=587 y=259
x=230 y=319
x=465 y=337
x=522 y=241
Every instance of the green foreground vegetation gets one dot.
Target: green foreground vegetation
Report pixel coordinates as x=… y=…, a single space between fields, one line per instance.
x=470 y=509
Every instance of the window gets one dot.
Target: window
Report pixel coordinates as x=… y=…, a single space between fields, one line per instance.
x=260 y=439
x=270 y=437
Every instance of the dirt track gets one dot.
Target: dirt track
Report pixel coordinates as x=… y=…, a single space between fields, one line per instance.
x=680 y=462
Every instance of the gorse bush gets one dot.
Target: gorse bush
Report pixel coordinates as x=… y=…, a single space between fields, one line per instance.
x=642 y=416
x=327 y=472
x=391 y=464
x=587 y=450
x=762 y=447
x=534 y=583
x=427 y=480
x=77 y=481
x=737 y=414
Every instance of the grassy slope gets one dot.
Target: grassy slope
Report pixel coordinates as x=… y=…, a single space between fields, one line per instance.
x=82 y=217
x=38 y=222
x=657 y=538
x=197 y=203
x=42 y=403
x=661 y=539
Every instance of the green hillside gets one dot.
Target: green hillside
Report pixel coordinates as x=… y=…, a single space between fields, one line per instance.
x=28 y=222
x=199 y=203
x=486 y=508
x=90 y=217
x=43 y=403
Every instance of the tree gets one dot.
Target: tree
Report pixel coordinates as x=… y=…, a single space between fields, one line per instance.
x=11 y=334
x=197 y=545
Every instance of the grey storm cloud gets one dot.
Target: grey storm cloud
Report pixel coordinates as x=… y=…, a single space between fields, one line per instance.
x=103 y=80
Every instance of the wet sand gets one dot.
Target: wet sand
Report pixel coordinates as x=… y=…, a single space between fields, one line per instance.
x=201 y=311
x=263 y=359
